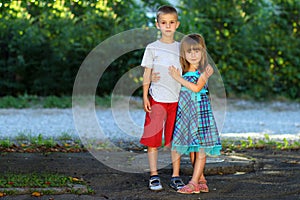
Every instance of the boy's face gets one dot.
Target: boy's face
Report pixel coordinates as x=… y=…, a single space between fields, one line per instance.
x=167 y=23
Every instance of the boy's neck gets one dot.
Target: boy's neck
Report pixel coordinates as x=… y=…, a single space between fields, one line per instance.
x=167 y=40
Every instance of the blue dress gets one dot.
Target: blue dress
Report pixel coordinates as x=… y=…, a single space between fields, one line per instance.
x=195 y=126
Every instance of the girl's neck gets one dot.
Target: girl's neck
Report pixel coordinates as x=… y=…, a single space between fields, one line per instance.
x=193 y=68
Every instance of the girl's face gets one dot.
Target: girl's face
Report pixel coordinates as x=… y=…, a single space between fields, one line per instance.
x=168 y=24
x=193 y=56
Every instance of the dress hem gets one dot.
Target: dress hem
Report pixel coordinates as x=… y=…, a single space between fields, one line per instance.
x=212 y=150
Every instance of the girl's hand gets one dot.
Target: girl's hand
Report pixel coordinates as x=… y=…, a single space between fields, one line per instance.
x=209 y=71
x=174 y=72
x=155 y=77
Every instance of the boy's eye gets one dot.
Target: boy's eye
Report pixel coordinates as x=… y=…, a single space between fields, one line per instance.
x=171 y=22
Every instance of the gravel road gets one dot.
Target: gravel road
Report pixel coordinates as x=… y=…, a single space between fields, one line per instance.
x=241 y=119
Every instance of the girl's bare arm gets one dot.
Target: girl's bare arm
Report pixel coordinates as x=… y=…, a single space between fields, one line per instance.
x=175 y=73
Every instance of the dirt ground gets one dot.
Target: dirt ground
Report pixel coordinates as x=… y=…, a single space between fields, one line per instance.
x=276 y=176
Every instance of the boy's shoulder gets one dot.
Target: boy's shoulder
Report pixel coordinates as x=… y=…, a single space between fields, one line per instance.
x=158 y=43
x=153 y=44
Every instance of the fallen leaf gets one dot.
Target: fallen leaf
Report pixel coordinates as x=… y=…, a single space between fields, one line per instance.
x=75 y=179
x=2 y=194
x=36 y=194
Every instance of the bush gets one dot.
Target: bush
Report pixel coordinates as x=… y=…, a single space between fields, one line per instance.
x=255 y=44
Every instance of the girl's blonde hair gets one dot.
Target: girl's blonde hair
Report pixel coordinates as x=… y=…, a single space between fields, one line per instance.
x=189 y=42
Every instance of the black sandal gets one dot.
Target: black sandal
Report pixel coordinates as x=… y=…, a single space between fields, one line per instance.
x=176 y=183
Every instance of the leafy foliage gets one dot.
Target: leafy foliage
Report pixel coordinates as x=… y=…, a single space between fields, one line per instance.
x=255 y=44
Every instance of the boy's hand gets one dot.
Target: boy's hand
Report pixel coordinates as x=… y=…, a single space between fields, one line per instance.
x=155 y=77
x=147 y=106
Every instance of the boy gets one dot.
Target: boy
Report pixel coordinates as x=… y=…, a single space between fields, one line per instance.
x=161 y=105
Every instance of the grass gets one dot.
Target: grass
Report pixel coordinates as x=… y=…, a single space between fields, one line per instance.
x=39 y=184
x=36 y=180
x=262 y=143
x=28 y=143
x=33 y=101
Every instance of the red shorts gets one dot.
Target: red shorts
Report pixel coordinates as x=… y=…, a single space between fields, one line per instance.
x=160 y=119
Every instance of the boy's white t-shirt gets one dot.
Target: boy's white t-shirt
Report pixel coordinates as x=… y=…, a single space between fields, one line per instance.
x=159 y=57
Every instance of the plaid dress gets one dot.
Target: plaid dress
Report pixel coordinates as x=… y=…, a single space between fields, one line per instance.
x=195 y=126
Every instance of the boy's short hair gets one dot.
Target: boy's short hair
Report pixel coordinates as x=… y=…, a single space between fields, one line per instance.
x=165 y=9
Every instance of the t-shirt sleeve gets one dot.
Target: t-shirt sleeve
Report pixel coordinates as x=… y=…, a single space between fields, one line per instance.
x=147 y=60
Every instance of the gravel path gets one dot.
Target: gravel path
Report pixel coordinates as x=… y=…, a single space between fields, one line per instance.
x=242 y=119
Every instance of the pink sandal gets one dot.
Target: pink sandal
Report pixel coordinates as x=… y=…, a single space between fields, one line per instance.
x=191 y=188
x=203 y=186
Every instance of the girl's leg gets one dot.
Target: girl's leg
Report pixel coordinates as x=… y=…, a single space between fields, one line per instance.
x=193 y=186
x=202 y=181
x=152 y=158
x=200 y=160
x=203 y=162
x=192 y=159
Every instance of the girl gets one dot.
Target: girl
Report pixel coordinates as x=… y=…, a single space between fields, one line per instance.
x=195 y=131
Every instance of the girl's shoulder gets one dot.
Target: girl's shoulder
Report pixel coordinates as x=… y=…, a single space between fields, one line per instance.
x=192 y=73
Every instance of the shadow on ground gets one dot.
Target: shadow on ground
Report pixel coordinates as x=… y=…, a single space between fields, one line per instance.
x=267 y=175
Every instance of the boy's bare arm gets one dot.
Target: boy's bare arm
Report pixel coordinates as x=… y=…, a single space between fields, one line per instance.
x=146 y=85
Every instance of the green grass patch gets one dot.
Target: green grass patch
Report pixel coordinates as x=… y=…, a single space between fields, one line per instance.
x=260 y=143
x=33 y=101
x=42 y=183
x=36 y=180
x=28 y=143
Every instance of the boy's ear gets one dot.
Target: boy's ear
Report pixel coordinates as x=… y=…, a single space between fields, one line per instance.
x=157 y=25
x=178 y=23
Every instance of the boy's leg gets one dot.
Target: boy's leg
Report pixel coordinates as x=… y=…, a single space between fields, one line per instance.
x=154 y=181
x=152 y=137
x=171 y=110
x=152 y=158
x=153 y=126
x=175 y=163
x=176 y=182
